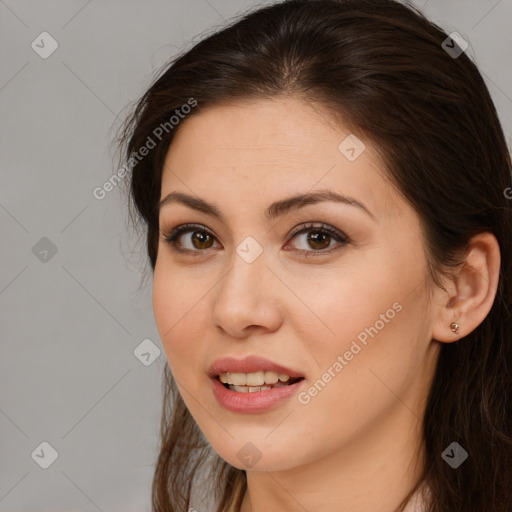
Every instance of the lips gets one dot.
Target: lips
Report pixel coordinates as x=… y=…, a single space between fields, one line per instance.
x=249 y=399
x=249 y=364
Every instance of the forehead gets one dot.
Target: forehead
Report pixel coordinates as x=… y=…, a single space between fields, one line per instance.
x=274 y=148
x=265 y=129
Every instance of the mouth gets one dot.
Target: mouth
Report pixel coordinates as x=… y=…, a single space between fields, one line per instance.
x=253 y=384
x=255 y=381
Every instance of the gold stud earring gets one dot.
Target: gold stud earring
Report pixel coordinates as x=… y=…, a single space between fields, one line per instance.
x=454 y=326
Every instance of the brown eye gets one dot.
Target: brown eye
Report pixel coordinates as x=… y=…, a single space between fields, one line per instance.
x=317 y=242
x=319 y=238
x=200 y=240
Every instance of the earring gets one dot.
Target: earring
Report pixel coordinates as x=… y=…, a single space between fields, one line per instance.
x=454 y=326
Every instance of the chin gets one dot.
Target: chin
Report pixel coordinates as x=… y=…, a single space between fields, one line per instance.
x=248 y=453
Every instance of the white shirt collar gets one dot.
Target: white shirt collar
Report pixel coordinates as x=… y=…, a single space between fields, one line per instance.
x=417 y=502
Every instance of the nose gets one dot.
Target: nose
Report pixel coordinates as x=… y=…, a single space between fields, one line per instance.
x=247 y=299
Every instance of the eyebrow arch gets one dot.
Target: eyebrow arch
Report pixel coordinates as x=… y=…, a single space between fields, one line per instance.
x=275 y=210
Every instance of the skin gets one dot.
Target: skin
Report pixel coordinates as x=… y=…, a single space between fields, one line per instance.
x=356 y=446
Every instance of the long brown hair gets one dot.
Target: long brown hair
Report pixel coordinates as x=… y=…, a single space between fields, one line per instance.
x=380 y=66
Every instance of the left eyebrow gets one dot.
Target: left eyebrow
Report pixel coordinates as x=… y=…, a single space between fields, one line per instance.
x=275 y=210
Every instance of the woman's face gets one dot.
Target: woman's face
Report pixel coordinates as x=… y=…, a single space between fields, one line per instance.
x=346 y=310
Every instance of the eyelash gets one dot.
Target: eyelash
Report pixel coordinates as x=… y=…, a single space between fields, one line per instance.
x=172 y=237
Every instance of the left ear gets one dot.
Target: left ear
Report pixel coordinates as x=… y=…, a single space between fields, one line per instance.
x=471 y=291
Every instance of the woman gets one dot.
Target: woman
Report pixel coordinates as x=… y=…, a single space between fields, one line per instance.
x=323 y=184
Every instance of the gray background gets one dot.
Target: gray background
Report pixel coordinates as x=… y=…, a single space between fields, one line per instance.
x=70 y=322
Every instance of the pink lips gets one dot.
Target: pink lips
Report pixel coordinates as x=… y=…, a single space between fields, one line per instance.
x=251 y=402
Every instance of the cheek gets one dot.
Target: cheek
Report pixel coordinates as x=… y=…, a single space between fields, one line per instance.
x=357 y=382
x=380 y=334
x=339 y=305
x=178 y=316
x=369 y=313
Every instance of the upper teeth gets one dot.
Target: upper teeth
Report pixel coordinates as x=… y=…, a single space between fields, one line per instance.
x=252 y=379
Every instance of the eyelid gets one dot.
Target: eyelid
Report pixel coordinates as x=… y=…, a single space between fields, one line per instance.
x=306 y=226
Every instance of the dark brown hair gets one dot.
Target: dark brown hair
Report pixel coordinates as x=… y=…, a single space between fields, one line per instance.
x=378 y=65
